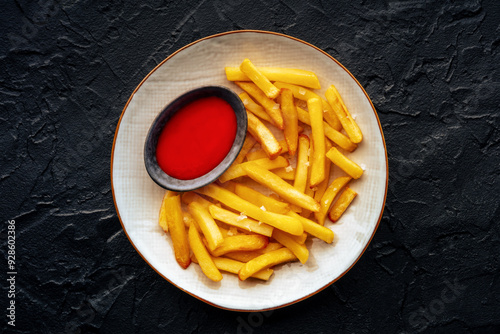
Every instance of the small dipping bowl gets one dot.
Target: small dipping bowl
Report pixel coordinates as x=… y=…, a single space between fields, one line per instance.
x=171 y=183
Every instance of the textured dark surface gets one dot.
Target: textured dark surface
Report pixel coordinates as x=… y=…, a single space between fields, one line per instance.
x=432 y=71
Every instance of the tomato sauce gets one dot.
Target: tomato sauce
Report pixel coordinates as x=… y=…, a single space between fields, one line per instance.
x=197 y=138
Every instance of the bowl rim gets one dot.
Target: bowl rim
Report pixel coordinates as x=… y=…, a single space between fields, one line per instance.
x=382 y=137
x=174 y=184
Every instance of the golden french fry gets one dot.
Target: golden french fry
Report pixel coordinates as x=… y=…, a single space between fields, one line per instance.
x=245 y=256
x=320 y=188
x=338 y=138
x=287 y=75
x=290 y=119
x=240 y=221
x=281 y=187
x=271 y=107
x=235 y=171
x=249 y=69
x=229 y=232
x=234 y=266
x=267 y=260
x=188 y=220
x=305 y=94
x=247 y=146
x=341 y=204
x=350 y=126
x=260 y=154
x=286 y=173
x=203 y=258
x=318 y=142
x=309 y=191
x=301 y=171
x=264 y=136
x=314 y=228
x=282 y=222
x=299 y=250
x=162 y=217
x=346 y=164
x=261 y=200
x=241 y=242
x=178 y=231
x=229 y=185
x=298 y=92
x=301 y=239
x=254 y=107
x=191 y=196
x=207 y=225
x=328 y=197
x=296 y=208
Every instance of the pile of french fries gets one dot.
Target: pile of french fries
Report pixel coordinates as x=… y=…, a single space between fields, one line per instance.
x=230 y=225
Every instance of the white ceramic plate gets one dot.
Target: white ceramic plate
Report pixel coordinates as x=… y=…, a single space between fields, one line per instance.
x=137 y=197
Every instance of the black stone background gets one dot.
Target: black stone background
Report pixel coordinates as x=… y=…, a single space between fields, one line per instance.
x=432 y=71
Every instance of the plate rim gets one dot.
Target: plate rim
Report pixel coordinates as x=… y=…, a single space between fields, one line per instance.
x=280 y=35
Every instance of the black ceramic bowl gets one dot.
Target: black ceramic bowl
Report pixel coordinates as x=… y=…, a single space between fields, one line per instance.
x=171 y=183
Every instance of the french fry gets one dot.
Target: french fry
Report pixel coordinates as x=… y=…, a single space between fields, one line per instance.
x=286 y=173
x=318 y=141
x=188 y=220
x=350 y=126
x=235 y=171
x=260 y=154
x=162 y=217
x=299 y=250
x=245 y=256
x=320 y=188
x=341 y=204
x=314 y=229
x=328 y=197
x=241 y=242
x=247 y=146
x=281 y=187
x=337 y=137
x=301 y=239
x=249 y=69
x=229 y=185
x=290 y=119
x=254 y=108
x=264 y=136
x=298 y=92
x=240 y=221
x=282 y=222
x=207 y=225
x=178 y=231
x=346 y=164
x=229 y=232
x=203 y=258
x=305 y=94
x=308 y=191
x=233 y=267
x=267 y=260
x=271 y=107
x=261 y=200
x=301 y=171
x=191 y=196
x=287 y=75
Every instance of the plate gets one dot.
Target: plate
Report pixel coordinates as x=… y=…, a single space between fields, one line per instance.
x=137 y=198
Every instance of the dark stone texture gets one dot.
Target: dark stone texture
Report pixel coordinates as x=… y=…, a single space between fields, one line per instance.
x=431 y=69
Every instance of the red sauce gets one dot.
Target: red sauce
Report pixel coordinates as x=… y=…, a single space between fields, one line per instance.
x=197 y=138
